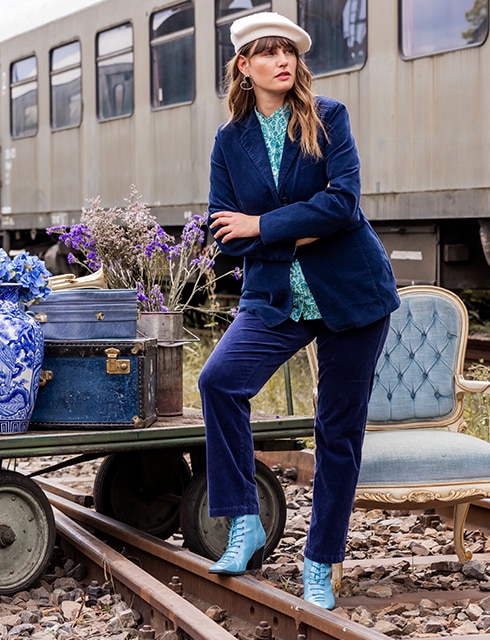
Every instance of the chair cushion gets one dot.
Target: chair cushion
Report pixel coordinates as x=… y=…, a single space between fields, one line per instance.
x=415 y=457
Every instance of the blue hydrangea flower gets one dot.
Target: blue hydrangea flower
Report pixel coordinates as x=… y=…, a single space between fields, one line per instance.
x=28 y=271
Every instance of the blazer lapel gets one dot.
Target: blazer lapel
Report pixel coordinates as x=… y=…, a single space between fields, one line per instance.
x=290 y=151
x=253 y=143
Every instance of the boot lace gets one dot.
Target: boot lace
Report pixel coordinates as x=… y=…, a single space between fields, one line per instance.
x=235 y=537
x=316 y=579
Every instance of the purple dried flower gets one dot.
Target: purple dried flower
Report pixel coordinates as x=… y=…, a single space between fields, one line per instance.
x=140 y=292
x=203 y=262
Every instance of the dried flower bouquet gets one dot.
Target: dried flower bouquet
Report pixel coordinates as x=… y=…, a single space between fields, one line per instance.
x=136 y=252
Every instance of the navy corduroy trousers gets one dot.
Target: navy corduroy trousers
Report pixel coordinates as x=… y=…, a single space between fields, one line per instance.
x=244 y=359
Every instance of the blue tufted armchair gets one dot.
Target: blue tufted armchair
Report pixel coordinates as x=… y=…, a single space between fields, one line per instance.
x=415 y=453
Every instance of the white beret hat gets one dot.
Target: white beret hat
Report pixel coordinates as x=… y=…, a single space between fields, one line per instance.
x=265 y=24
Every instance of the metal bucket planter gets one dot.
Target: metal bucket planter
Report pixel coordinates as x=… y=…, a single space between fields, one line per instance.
x=169 y=330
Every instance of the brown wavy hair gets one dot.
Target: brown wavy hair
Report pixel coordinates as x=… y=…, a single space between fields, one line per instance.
x=304 y=122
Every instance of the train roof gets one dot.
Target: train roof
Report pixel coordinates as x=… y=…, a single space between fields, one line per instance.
x=24 y=15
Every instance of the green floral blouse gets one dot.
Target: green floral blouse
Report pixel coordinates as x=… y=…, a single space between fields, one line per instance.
x=274 y=129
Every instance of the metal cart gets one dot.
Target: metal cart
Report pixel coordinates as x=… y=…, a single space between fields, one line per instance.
x=153 y=479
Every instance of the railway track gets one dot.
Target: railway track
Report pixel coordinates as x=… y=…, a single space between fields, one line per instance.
x=152 y=573
x=172 y=590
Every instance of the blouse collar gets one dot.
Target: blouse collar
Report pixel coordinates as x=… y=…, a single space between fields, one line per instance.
x=280 y=115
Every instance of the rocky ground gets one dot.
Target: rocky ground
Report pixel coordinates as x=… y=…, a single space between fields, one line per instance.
x=389 y=557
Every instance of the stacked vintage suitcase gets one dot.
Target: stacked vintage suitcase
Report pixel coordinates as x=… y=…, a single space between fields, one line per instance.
x=97 y=374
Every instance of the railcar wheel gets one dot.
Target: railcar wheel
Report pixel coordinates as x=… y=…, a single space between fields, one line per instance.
x=27 y=532
x=143 y=489
x=209 y=536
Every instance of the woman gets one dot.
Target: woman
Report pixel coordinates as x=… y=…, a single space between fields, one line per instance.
x=284 y=194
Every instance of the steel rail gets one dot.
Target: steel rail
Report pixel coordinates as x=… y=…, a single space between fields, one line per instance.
x=252 y=601
x=163 y=600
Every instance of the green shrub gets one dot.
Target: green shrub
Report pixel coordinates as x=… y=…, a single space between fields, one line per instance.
x=477 y=405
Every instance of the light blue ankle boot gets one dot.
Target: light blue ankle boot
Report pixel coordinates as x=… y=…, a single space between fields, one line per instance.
x=245 y=550
x=317 y=583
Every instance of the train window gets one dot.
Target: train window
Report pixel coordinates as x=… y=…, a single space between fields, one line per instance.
x=434 y=26
x=226 y=11
x=172 y=50
x=66 y=86
x=115 y=73
x=338 y=33
x=23 y=98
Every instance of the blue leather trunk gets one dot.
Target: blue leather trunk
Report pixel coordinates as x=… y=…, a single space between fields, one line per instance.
x=96 y=384
x=88 y=314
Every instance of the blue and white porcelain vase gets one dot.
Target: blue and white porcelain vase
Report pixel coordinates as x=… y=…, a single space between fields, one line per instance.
x=21 y=356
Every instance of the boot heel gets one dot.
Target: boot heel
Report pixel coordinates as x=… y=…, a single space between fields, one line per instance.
x=256 y=560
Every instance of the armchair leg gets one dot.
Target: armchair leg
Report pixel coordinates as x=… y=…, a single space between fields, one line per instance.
x=460 y=513
x=336 y=577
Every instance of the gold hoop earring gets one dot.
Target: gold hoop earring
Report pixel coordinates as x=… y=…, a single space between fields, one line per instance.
x=246 y=84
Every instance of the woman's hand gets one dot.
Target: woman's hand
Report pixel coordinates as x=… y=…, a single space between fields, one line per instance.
x=233 y=224
x=302 y=241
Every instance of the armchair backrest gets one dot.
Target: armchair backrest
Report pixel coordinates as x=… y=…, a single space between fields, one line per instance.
x=415 y=379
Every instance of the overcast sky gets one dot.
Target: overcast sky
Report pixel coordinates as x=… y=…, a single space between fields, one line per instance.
x=22 y=15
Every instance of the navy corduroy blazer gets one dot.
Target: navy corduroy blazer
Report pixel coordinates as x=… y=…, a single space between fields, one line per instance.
x=347 y=269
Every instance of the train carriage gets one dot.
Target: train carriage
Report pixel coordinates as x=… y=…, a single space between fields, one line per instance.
x=123 y=93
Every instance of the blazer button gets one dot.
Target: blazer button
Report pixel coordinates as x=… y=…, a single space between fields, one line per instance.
x=284 y=201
